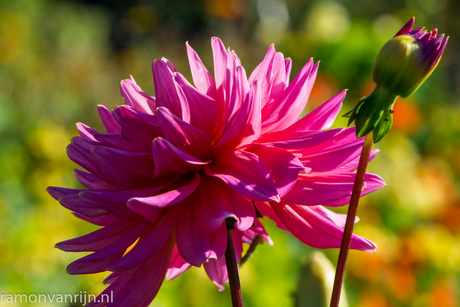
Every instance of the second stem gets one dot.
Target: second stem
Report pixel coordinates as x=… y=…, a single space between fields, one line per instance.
x=351 y=216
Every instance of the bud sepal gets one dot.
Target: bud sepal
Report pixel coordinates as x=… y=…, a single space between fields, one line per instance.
x=374 y=113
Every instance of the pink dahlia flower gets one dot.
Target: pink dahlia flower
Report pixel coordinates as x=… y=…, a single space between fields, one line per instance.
x=171 y=170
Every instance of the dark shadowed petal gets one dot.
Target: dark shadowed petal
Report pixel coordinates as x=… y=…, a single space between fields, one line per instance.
x=195 y=244
x=102 y=258
x=214 y=201
x=245 y=173
x=149 y=244
x=170 y=159
x=100 y=238
x=138 y=286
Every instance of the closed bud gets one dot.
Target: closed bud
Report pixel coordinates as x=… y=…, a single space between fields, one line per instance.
x=402 y=65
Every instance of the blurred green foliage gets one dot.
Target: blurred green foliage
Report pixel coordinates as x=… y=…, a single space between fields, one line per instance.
x=59 y=59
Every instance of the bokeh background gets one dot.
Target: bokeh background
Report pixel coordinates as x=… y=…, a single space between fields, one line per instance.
x=59 y=59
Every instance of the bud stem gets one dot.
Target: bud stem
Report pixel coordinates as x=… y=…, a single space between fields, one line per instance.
x=232 y=269
x=351 y=215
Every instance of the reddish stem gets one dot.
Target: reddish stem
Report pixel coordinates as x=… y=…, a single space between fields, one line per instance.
x=232 y=269
x=351 y=215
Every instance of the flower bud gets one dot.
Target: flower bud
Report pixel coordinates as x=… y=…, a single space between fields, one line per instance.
x=402 y=65
x=406 y=60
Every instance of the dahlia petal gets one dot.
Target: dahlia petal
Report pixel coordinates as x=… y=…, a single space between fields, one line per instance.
x=177 y=265
x=195 y=245
x=101 y=220
x=316 y=230
x=114 y=201
x=139 y=128
x=149 y=244
x=79 y=151
x=283 y=112
x=110 y=123
x=169 y=158
x=219 y=55
x=166 y=199
x=283 y=165
x=203 y=109
x=323 y=116
x=245 y=123
x=336 y=218
x=297 y=139
x=136 y=162
x=183 y=135
x=217 y=272
x=115 y=140
x=135 y=97
x=214 y=201
x=166 y=89
x=266 y=210
x=262 y=74
x=245 y=173
x=86 y=132
x=76 y=204
x=98 y=239
x=201 y=77
x=330 y=189
x=102 y=258
x=138 y=286
x=90 y=181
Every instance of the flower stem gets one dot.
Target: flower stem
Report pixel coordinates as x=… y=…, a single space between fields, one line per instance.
x=232 y=269
x=351 y=215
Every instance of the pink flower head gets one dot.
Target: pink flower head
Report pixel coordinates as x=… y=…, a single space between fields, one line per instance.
x=171 y=170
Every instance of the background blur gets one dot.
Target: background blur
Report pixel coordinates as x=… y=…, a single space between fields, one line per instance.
x=59 y=59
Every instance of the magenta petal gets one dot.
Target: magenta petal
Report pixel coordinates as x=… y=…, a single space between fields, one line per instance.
x=331 y=189
x=170 y=159
x=195 y=244
x=220 y=62
x=201 y=77
x=316 y=230
x=177 y=266
x=245 y=123
x=203 y=109
x=148 y=244
x=245 y=173
x=104 y=257
x=286 y=110
x=98 y=239
x=135 y=97
x=166 y=89
x=169 y=198
x=183 y=135
x=138 y=286
x=323 y=116
x=283 y=165
x=217 y=272
x=110 y=124
x=214 y=201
